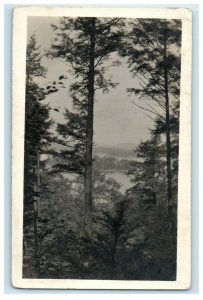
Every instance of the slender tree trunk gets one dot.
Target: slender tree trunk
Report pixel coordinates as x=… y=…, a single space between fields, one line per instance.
x=36 y=245
x=154 y=181
x=36 y=215
x=89 y=134
x=168 y=139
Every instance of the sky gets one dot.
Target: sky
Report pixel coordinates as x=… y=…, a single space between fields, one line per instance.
x=116 y=119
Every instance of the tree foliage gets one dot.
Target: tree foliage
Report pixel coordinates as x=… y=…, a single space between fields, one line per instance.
x=37 y=137
x=148 y=171
x=37 y=121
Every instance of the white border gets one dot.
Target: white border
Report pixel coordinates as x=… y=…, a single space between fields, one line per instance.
x=184 y=208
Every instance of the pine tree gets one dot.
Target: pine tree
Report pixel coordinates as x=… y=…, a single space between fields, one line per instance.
x=153 y=53
x=37 y=124
x=86 y=44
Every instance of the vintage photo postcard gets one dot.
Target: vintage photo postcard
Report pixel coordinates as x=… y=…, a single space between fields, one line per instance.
x=101 y=148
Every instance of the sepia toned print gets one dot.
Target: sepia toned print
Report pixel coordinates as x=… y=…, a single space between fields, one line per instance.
x=101 y=150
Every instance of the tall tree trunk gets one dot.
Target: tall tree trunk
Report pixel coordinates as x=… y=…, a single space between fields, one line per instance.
x=89 y=133
x=167 y=112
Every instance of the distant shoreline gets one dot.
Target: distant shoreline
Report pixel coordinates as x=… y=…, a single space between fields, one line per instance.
x=113 y=171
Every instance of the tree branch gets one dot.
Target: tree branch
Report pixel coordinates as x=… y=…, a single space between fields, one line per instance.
x=143 y=108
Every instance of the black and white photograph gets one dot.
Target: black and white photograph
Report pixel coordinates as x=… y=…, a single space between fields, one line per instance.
x=100 y=148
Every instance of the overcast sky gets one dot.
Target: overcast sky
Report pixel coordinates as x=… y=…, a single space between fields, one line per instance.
x=116 y=119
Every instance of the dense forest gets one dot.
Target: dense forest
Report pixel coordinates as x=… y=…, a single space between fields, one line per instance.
x=77 y=222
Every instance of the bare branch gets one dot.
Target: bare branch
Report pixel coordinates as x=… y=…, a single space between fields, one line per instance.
x=143 y=108
x=148 y=116
x=154 y=110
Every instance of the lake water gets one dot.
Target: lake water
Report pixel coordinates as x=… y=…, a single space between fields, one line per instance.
x=122 y=178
